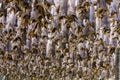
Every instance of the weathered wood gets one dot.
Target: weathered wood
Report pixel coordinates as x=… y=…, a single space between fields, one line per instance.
x=63 y=7
x=117 y=64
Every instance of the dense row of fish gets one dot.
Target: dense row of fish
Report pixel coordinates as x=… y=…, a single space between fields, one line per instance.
x=59 y=39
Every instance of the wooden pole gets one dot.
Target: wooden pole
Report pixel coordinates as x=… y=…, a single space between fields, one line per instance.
x=117 y=64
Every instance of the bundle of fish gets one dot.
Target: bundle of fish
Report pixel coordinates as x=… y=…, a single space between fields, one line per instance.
x=59 y=39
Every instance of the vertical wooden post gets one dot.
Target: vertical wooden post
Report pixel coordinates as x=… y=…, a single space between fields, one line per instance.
x=64 y=7
x=117 y=64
